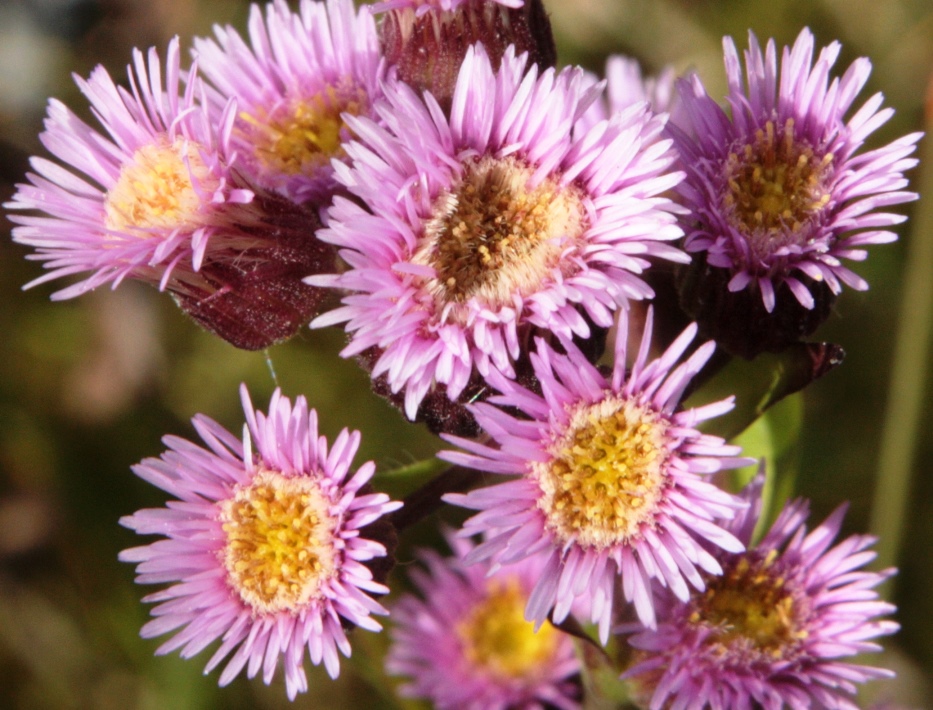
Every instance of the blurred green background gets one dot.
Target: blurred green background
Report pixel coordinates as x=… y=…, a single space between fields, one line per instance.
x=88 y=387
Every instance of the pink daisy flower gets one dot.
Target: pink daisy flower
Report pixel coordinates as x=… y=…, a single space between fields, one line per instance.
x=293 y=83
x=627 y=86
x=611 y=479
x=775 y=628
x=154 y=198
x=476 y=228
x=465 y=644
x=777 y=192
x=265 y=547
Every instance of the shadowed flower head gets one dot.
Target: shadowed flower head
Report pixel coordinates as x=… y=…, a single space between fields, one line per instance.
x=465 y=645
x=294 y=81
x=156 y=199
x=777 y=192
x=477 y=228
x=611 y=479
x=774 y=629
x=266 y=547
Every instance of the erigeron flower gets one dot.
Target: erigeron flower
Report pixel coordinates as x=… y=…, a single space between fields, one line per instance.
x=777 y=628
x=778 y=192
x=611 y=479
x=155 y=197
x=464 y=643
x=627 y=85
x=265 y=545
x=467 y=232
x=293 y=82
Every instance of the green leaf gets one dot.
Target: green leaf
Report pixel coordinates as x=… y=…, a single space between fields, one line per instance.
x=761 y=383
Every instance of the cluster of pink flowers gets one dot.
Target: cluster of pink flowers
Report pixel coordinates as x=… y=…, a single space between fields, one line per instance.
x=488 y=231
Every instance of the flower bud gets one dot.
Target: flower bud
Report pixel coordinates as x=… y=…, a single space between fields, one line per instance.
x=427 y=42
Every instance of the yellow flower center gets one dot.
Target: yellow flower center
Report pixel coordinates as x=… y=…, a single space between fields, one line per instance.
x=162 y=187
x=492 y=235
x=606 y=476
x=280 y=546
x=776 y=187
x=496 y=637
x=301 y=135
x=749 y=607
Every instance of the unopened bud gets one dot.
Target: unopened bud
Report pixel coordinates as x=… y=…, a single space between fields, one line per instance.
x=249 y=289
x=427 y=42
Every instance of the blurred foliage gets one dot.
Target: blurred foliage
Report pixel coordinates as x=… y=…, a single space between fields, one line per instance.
x=88 y=387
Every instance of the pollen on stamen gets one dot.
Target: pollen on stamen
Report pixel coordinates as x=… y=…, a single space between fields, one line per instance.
x=279 y=547
x=496 y=636
x=775 y=187
x=300 y=136
x=751 y=610
x=162 y=187
x=606 y=478
x=494 y=234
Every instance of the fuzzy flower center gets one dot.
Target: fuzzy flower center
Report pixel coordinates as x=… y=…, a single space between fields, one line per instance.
x=301 y=135
x=161 y=187
x=606 y=476
x=496 y=637
x=279 y=547
x=494 y=234
x=776 y=187
x=750 y=609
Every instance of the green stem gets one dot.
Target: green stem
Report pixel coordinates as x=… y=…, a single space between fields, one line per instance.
x=911 y=359
x=425 y=500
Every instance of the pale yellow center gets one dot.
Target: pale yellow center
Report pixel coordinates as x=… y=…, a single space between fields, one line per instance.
x=776 y=187
x=496 y=637
x=606 y=475
x=301 y=135
x=493 y=236
x=749 y=605
x=161 y=187
x=280 y=546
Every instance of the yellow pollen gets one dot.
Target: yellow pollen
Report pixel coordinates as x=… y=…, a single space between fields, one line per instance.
x=496 y=637
x=279 y=547
x=607 y=473
x=161 y=187
x=300 y=136
x=492 y=235
x=776 y=186
x=750 y=610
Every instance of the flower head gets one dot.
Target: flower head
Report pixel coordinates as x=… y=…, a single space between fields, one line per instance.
x=293 y=84
x=611 y=479
x=148 y=205
x=477 y=228
x=157 y=199
x=466 y=644
x=774 y=629
x=626 y=86
x=777 y=192
x=266 y=548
